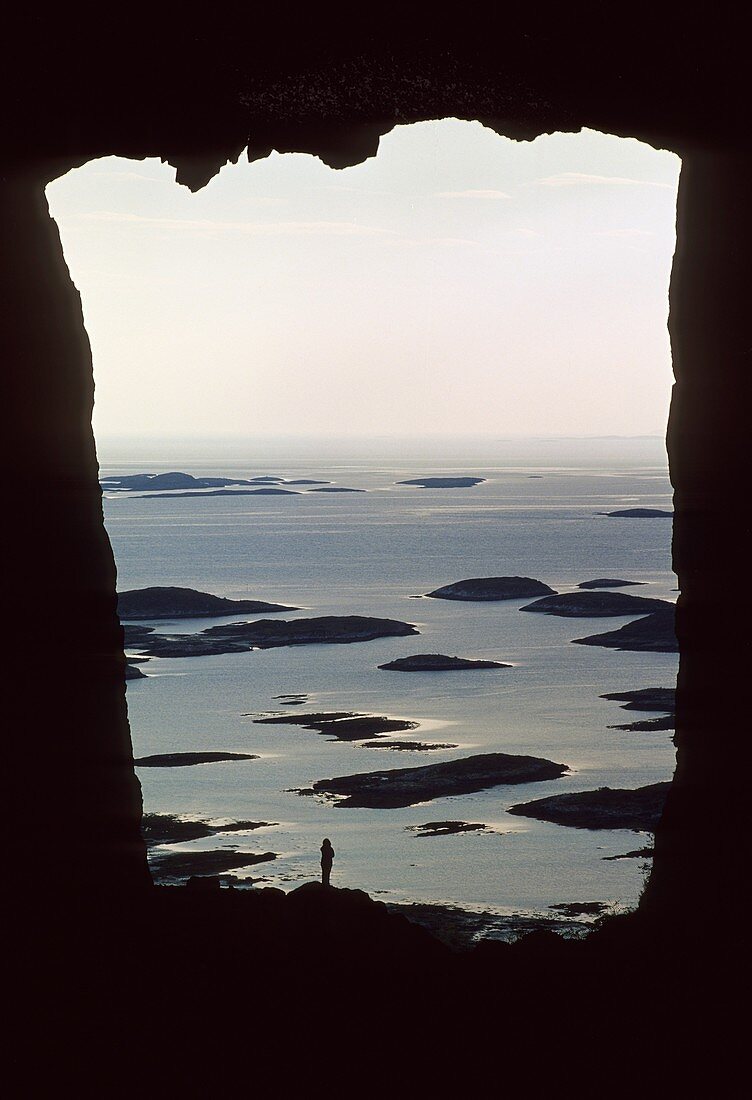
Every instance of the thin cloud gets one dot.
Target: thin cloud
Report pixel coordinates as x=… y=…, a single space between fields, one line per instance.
x=487 y=194
x=582 y=179
x=253 y=229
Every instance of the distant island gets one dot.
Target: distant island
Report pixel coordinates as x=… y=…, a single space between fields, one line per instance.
x=265 y=634
x=170 y=484
x=187 y=603
x=437 y=662
x=447 y=828
x=267 y=492
x=406 y=786
x=492 y=588
x=608 y=582
x=174 y=480
x=342 y=725
x=189 y=759
x=657 y=698
x=605 y=808
x=336 y=489
x=176 y=866
x=573 y=605
x=443 y=482
x=637 y=513
x=646 y=699
x=654 y=634
x=175 y=829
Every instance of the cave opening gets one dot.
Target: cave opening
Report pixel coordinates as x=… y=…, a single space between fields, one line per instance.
x=429 y=388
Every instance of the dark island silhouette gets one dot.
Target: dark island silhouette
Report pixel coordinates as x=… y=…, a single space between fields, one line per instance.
x=406 y=786
x=189 y=759
x=341 y=725
x=175 y=829
x=608 y=582
x=656 y=633
x=173 y=480
x=646 y=699
x=586 y=605
x=446 y=828
x=438 y=662
x=271 y=491
x=336 y=489
x=638 y=513
x=491 y=588
x=653 y=698
x=187 y=603
x=606 y=808
x=443 y=482
x=265 y=634
x=175 y=867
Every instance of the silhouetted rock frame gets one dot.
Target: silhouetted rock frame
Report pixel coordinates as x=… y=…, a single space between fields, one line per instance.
x=200 y=97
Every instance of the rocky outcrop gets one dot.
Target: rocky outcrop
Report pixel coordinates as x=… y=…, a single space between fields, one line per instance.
x=606 y=808
x=593 y=605
x=492 y=588
x=132 y=672
x=444 y=482
x=266 y=634
x=437 y=662
x=655 y=633
x=407 y=786
x=187 y=603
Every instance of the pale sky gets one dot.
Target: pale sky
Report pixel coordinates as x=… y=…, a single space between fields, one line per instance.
x=457 y=284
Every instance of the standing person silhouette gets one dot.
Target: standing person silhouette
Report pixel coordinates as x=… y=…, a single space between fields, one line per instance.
x=327 y=859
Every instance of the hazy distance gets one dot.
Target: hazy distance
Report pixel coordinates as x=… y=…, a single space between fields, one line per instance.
x=458 y=284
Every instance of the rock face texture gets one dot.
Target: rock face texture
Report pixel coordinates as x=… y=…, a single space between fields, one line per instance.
x=318 y=91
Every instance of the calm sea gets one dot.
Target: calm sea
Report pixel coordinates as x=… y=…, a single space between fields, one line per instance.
x=367 y=553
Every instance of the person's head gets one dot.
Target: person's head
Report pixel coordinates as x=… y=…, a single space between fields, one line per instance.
x=327 y=842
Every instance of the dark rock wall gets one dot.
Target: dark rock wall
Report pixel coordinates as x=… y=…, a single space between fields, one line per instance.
x=700 y=847
x=197 y=96
x=74 y=813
